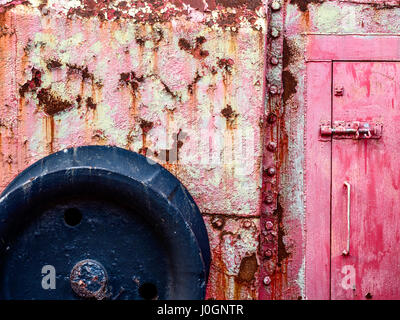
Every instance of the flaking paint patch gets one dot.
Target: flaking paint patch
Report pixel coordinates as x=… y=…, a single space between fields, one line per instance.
x=327 y=16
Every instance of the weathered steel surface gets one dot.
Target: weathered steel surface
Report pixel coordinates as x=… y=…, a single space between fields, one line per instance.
x=178 y=81
x=371 y=167
x=183 y=82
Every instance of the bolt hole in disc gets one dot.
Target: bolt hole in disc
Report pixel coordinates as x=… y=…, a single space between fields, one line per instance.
x=72 y=216
x=109 y=224
x=148 y=291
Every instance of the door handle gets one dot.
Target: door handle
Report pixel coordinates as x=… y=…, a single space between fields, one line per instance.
x=347 y=250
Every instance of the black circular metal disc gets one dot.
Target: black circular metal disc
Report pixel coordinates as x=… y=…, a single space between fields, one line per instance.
x=134 y=221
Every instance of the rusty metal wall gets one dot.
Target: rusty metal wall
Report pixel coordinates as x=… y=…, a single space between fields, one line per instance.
x=181 y=82
x=201 y=86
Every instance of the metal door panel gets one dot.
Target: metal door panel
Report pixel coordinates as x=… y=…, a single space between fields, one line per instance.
x=372 y=168
x=318 y=178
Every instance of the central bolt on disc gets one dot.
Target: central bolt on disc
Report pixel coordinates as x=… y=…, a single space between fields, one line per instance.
x=89 y=279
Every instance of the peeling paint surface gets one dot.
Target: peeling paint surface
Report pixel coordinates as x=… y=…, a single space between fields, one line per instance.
x=201 y=87
x=179 y=82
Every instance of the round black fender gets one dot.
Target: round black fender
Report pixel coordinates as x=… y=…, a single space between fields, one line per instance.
x=100 y=222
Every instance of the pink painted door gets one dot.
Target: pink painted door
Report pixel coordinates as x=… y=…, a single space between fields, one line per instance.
x=371 y=167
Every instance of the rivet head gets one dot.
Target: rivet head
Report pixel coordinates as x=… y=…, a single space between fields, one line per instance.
x=271 y=171
x=273 y=90
x=88 y=279
x=217 y=223
x=274 y=61
x=271 y=146
x=269 y=225
x=339 y=91
x=274 y=32
x=275 y=5
x=269 y=198
x=267 y=281
x=268 y=253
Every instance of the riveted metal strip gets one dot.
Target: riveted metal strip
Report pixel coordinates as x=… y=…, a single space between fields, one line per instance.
x=272 y=121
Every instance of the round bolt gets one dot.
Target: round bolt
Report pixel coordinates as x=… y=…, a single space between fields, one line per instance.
x=267 y=281
x=271 y=171
x=247 y=224
x=217 y=223
x=273 y=90
x=268 y=253
x=271 y=119
x=89 y=280
x=274 y=61
x=274 y=32
x=269 y=198
x=271 y=146
x=275 y=5
x=269 y=225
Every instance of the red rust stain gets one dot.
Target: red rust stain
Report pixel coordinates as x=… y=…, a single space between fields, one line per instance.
x=289 y=84
x=279 y=278
x=246 y=277
x=90 y=104
x=230 y=115
x=12 y=4
x=303 y=4
x=248 y=268
x=219 y=276
x=83 y=71
x=133 y=81
x=192 y=87
x=146 y=126
x=130 y=78
x=226 y=64
x=168 y=90
x=51 y=103
x=245 y=4
x=196 y=50
x=32 y=84
x=53 y=64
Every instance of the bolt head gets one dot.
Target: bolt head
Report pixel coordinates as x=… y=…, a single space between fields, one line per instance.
x=267 y=281
x=273 y=90
x=269 y=225
x=271 y=146
x=269 y=198
x=275 y=5
x=268 y=253
x=274 y=61
x=271 y=171
x=275 y=32
x=271 y=118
